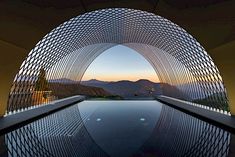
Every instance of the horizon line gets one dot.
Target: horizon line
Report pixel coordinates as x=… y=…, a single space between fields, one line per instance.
x=119 y=80
x=103 y=80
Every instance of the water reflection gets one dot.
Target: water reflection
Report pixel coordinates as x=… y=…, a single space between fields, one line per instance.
x=118 y=128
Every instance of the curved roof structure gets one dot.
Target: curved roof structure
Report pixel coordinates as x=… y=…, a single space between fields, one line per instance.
x=24 y=23
x=180 y=62
x=59 y=39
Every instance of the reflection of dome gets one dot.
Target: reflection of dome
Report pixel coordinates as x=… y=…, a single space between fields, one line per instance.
x=64 y=134
x=121 y=128
x=124 y=128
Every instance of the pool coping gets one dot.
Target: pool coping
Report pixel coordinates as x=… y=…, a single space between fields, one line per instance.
x=17 y=120
x=218 y=119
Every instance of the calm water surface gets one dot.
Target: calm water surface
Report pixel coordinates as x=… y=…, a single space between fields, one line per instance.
x=120 y=128
x=149 y=128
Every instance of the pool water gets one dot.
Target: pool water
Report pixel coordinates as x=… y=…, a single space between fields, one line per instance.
x=120 y=128
x=149 y=128
x=124 y=129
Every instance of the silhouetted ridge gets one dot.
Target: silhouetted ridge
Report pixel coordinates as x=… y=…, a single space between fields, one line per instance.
x=140 y=88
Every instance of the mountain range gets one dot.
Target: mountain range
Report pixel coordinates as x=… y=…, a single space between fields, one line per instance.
x=126 y=88
x=63 y=90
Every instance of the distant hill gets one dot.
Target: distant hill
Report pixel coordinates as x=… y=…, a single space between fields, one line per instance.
x=141 y=88
x=63 y=80
x=62 y=90
x=216 y=99
x=94 y=82
x=127 y=88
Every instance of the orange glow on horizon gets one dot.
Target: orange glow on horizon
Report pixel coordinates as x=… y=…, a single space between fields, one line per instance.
x=120 y=63
x=118 y=77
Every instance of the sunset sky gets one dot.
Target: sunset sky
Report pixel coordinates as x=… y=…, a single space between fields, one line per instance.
x=120 y=63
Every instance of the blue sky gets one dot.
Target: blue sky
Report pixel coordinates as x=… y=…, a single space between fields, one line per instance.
x=120 y=63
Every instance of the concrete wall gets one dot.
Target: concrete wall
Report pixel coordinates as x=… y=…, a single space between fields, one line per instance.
x=10 y=61
x=224 y=58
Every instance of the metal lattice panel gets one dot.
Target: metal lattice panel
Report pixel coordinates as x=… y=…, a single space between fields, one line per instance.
x=181 y=63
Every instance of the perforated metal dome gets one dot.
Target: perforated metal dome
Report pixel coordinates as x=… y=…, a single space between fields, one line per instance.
x=181 y=63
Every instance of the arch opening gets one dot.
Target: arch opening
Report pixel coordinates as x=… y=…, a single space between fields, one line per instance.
x=181 y=63
x=119 y=63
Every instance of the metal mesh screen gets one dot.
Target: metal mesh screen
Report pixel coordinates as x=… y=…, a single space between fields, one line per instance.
x=185 y=69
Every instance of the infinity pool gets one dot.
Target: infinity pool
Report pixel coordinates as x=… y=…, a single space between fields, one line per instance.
x=120 y=128
x=124 y=129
